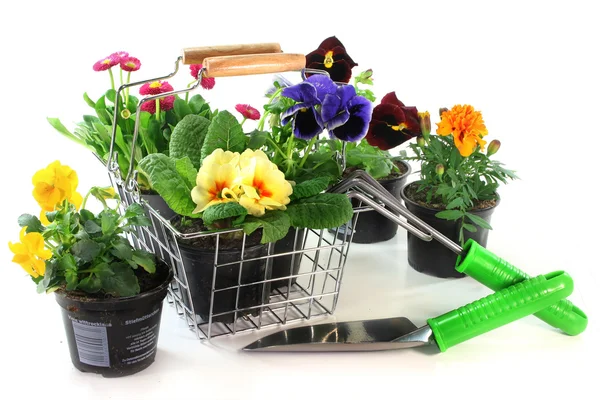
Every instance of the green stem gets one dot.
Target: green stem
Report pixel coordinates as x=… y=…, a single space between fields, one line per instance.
x=244 y=120
x=187 y=94
x=261 y=123
x=157 y=113
x=307 y=151
x=276 y=147
x=112 y=79
x=127 y=90
x=121 y=75
x=85 y=199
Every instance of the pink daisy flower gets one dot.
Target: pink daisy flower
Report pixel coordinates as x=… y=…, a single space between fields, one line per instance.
x=166 y=103
x=155 y=87
x=130 y=64
x=120 y=55
x=248 y=111
x=206 y=83
x=106 y=63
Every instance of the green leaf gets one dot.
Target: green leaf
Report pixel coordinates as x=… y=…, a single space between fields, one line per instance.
x=134 y=210
x=108 y=222
x=68 y=266
x=224 y=132
x=121 y=281
x=187 y=171
x=86 y=250
x=479 y=221
x=122 y=250
x=91 y=226
x=310 y=187
x=323 y=211
x=456 y=203
x=100 y=108
x=257 y=139
x=188 y=137
x=49 y=276
x=145 y=259
x=56 y=124
x=196 y=103
x=275 y=225
x=450 y=215
x=469 y=227
x=89 y=101
x=32 y=223
x=181 y=108
x=222 y=211
x=90 y=284
x=171 y=186
x=110 y=95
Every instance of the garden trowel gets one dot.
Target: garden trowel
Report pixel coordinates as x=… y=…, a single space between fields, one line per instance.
x=445 y=331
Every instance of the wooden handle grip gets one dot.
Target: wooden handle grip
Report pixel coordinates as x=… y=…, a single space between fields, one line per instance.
x=253 y=64
x=196 y=55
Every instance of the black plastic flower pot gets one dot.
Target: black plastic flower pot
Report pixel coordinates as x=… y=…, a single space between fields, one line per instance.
x=114 y=336
x=371 y=226
x=199 y=267
x=433 y=258
x=284 y=266
x=158 y=243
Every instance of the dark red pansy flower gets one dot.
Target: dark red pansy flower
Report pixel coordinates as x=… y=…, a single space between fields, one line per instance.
x=248 y=111
x=392 y=123
x=331 y=56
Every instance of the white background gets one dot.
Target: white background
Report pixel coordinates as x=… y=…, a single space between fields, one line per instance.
x=532 y=69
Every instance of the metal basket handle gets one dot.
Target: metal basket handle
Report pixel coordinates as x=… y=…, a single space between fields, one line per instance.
x=191 y=55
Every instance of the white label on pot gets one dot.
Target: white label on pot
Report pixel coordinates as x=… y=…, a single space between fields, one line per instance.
x=92 y=344
x=143 y=338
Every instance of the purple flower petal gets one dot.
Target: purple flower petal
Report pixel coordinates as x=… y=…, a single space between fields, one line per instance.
x=302 y=92
x=357 y=125
x=288 y=114
x=346 y=93
x=323 y=84
x=330 y=107
x=307 y=124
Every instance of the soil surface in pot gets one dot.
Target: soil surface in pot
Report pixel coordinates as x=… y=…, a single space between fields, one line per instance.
x=226 y=240
x=146 y=281
x=436 y=202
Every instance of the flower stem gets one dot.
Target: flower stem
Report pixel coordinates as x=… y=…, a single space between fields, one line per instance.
x=276 y=147
x=121 y=75
x=307 y=151
x=261 y=123
x=157 y=113
x=112 y=79
x=187 y=94
x=127 y=90
x=244 y=120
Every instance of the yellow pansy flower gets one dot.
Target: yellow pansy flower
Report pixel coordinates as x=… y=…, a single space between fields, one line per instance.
x=264 y=185
x=30 y=253
x=54 y=184
x=218 y=180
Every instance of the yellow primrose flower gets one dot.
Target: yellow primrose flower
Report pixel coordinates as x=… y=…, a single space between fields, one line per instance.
x=54 y=184
x=218 y=180
x=264 y=186
x=30 y=253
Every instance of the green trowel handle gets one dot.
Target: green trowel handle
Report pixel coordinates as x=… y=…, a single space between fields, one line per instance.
x=500 y=308
x=495 y=273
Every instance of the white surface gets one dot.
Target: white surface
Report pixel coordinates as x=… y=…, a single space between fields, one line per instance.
x=531 y=67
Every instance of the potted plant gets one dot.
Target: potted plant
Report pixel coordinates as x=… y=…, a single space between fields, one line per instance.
x=225 y=186
x=457 y=190
x=110 y=293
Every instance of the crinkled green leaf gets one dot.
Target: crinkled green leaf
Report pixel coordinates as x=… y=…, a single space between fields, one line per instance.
x=91 y=226
x=257 y=139
x=222 y=211
x=122 y=250
x=224 y=132
x=275 y=225
x=197 y=103
x=90 y=284
x=310 y=187
x=323 y=211
x=187 y=171
x=121 y=281
x=86 y=250
x=188 y=137
x=145 y=259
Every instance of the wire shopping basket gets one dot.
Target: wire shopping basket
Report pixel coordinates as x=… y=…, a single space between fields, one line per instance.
x=220 y=288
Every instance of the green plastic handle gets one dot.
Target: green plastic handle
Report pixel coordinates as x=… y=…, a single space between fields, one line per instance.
x=495 y=273
x=500 y=308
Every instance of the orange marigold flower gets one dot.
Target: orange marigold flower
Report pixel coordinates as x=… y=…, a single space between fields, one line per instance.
x=466 y=126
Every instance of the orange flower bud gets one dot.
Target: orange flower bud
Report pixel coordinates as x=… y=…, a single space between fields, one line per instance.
x=425 y=123
x=439 y=170
x=493 y=147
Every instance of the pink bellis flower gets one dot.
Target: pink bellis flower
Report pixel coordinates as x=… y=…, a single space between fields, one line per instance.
x=248 y=112
x=162 y=104
x=206 y=83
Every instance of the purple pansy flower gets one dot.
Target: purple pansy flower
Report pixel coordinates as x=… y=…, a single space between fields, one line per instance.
x=346 y=115
x=306 y=121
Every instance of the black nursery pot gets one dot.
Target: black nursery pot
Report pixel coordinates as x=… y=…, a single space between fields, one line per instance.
x=433 y=258
x=198 y=264
x=114 y=336
x=158 y=204
x=287 y=265
x=372 y=227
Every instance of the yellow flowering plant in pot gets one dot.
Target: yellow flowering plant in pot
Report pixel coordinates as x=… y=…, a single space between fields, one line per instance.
x=457 y=190
x=220 y=183
x=110 y=293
